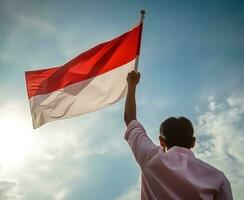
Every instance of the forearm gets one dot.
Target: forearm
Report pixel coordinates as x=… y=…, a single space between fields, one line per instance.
x=130 y=105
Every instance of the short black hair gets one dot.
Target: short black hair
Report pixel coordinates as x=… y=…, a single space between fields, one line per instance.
x=177 y=132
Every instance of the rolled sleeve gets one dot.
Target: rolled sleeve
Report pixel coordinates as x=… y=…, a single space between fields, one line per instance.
x=141 y=145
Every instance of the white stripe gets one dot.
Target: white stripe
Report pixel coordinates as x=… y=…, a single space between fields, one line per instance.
x=81 y=97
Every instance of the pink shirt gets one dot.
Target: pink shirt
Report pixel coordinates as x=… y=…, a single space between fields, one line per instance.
x=176 y=174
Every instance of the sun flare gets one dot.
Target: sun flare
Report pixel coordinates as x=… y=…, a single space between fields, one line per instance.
x=15 y=139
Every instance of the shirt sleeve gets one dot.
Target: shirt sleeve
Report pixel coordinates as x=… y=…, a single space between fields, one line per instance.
x=141 y=145
x=224 y=192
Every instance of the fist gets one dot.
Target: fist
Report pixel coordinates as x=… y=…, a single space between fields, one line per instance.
x=133 y=78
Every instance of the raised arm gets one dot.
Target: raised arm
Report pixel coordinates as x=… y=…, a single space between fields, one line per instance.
x=133 y=79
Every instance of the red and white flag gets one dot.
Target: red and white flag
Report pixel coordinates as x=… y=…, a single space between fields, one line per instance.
x=92 y=80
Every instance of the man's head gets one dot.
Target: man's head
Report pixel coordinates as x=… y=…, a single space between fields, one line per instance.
x=177 y=132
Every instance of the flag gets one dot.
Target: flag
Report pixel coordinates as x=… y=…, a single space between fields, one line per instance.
x=94 y=79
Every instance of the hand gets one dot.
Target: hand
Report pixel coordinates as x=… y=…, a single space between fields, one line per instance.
x=133 y=78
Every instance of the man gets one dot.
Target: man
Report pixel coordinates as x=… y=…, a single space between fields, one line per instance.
x=171 y=171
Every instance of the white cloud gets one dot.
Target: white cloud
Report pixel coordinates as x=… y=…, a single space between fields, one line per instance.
x=133 y=193
x=31 y=22
x=236 y=100
x=220 y=138
x=9 y=191
x=60 y=195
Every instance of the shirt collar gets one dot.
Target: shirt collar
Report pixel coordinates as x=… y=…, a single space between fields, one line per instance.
x=182 y=150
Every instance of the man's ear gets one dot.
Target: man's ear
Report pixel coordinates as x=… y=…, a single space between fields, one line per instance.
x=163 y=143
x=193 y=142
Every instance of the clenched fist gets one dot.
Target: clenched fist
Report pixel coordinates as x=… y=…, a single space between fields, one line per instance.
x=133 y=78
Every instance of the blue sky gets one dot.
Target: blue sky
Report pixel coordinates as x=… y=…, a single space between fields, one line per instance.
x=191 y=64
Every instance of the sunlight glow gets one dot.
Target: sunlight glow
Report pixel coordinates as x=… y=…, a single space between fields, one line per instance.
x=15 y=138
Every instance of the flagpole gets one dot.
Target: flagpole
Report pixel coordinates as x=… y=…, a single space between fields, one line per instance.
x=143 y=12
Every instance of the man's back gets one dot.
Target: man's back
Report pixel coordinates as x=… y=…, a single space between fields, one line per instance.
x=176 y=174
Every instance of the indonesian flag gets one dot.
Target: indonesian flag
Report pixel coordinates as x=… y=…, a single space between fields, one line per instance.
x=92 y=80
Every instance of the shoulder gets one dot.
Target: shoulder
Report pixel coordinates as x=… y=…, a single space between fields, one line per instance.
x=212 y=171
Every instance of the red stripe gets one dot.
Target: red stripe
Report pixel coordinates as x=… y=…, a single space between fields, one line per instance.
x=98 y=60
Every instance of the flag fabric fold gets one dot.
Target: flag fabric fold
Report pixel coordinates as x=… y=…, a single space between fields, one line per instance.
x=94 y=79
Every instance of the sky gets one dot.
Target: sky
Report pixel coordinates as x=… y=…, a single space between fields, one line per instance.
x=191 y=64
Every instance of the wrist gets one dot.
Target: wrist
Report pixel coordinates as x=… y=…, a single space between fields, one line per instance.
x=131 y=87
